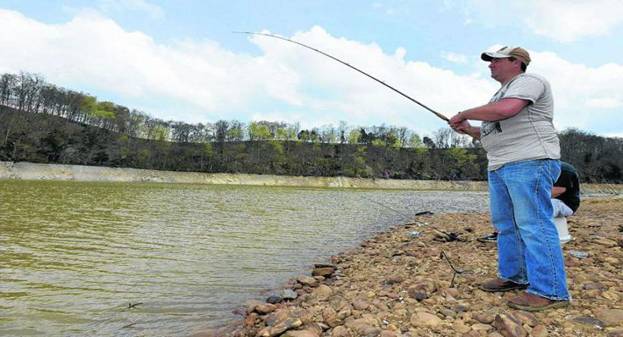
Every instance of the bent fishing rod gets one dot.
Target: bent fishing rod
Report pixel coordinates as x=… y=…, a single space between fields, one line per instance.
x=352 y=67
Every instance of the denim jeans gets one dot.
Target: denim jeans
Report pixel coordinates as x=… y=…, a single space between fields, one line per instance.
x=521 y=210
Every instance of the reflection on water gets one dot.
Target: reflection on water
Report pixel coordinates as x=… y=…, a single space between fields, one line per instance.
x=74 y=256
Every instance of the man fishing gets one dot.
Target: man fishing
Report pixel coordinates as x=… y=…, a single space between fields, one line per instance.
x=523 y=155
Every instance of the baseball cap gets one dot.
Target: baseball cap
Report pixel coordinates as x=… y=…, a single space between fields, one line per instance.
x=505 y=52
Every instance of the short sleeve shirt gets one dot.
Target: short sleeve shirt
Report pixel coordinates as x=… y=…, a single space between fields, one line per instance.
x=528 y=135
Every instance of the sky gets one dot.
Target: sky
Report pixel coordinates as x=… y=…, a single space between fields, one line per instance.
x=180 y=60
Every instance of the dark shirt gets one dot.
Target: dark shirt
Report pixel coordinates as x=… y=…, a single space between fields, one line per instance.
x=570 y=181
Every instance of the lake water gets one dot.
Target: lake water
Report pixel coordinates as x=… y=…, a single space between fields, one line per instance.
x=75 y=255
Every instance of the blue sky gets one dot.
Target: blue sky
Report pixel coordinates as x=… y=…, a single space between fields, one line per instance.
x=179 y=59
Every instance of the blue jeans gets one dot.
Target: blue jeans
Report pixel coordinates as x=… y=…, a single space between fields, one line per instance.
x=521 y=210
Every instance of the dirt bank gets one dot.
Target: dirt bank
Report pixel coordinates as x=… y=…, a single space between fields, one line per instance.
x=400 y=283
x=32 y=171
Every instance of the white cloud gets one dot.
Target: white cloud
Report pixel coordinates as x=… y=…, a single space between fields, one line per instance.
x=604 y=102
x=454 y=57
x=559 y=20
x=154 y=11
x=582 y=94
x=284 y=82
x=569 y=20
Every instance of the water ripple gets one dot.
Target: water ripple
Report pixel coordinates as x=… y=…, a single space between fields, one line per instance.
x=74 y=256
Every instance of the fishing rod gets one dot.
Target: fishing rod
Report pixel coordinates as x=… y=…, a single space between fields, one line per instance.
x=352 y=67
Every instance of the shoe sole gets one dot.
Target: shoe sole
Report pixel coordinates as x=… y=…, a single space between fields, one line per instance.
x=503 y=289
x=553 y=305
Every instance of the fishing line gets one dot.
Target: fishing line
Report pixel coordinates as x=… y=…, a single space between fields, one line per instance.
x=352 y=67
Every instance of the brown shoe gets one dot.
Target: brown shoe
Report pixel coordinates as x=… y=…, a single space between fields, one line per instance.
x=530 y=302
x=497 y=285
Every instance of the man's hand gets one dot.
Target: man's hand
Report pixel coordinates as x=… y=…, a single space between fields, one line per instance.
x=456 y=121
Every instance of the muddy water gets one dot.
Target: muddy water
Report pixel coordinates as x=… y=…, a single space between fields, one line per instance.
x=122 y=259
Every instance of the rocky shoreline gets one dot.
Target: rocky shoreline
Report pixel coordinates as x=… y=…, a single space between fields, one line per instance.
x=421 y=279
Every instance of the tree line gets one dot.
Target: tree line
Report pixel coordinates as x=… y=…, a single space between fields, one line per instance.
x=41 y=122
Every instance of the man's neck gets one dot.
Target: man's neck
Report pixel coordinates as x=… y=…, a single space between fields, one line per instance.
x=509 y=78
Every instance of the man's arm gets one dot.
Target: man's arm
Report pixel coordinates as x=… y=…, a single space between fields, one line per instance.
x=495 y=111
x=466 y=128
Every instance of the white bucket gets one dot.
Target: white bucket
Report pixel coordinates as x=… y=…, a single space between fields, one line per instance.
x=563 y=231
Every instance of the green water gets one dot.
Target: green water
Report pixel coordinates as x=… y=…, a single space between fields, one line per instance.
x=75 y=255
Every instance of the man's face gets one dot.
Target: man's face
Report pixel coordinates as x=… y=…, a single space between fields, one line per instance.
x=502 y=68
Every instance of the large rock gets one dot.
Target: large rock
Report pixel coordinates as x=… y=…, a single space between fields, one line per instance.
x=364 y=326
x=329 y=316
x=307 y=281
x=509 y=326
x=525 y=317
x=301 y=333
x=288 y=294
x=484 y=317
x=610 y=317
x=388 y=333
x=265 y=308
x=322 y=293
x=324 y=270
x=422 y=289
x=277 y=316
x=252 y=304
x=360 y=304
x=340 y=331
x=539 y=331
x=281 y=327
x=425 y=319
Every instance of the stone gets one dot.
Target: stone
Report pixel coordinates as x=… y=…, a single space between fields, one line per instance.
x=605 y=242
x=539 y=331
x=425 y=319
x=363 y=327
x=610 y=317
x=422 y=290
x=616 y=333
x=590 y=321
x=307 y=281
x=483 y=317
x=525 y=317
x=274 y=299
x=324 y=270
x=460 y=327
x=288 y=294
x=360 y=304
x=265 y=308
x=277 y=316
x=250 y=305
x=250 y=319
x=388 y=333
x=593 y=285
x=508 y=326
x=393 y=279
x=278 y=329
x=322 y=293
x=329 y=315
x=300 y=333
x=340 y=331
x=481 y=327
x=610 y=295
x=346 y=312
x=494 y=334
